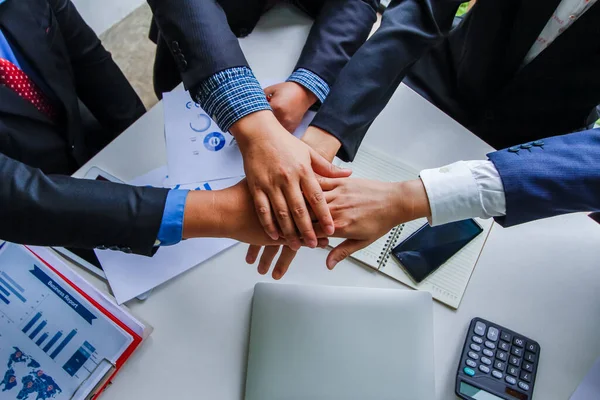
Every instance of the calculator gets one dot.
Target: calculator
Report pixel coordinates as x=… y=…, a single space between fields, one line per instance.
x=496 y=364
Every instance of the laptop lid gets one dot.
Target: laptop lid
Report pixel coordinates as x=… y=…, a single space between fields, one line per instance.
x=333 y=343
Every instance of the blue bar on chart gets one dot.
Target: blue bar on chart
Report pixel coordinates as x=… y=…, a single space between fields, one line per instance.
x=79 y=358
x=62 y=344
x=6 y=292
x=12 y=281
x=13 y=290
x=207 y=186
x=37 y=330
x=32 y=322
x=41 y=339
x=4 y=299
x=52 y=341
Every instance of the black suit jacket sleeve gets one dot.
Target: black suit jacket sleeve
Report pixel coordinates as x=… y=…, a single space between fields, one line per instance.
x=341 y=27
x=365 y=85
x=199 y=38
x=38 y=209
x=99 y=82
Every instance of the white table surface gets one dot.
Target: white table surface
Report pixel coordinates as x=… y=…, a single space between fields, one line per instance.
x=540 y=279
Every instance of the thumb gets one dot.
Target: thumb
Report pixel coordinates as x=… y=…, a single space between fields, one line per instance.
x=344 y=251
x=324 y=168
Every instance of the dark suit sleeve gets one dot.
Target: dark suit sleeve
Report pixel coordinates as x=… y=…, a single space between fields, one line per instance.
x=57 y=210
x=199 y=38
x=341 y=27
x=99 y=82
x=409 y=28
x=560 y=177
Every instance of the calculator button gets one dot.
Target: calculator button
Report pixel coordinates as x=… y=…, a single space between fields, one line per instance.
x=531 y=347
x=511 y=380
x=477 y=339
x=506 y=336
x=484 y=369
x=526 y=376
x=488 y=352
x=514 y=371
x=475 y=347
x=486 y=361
x=524 y=386
x=529 y=356
x=517 y=351
x=497 y=374
x=468 y=371
x=519 y=342
x=499 y=365
x=528 y=367
x=504 y=346
x=493 y=334
x=515 y=360
x=479 y=328
x=471 y=363
x=502 y=356
x=490 y=345
x=474 y=355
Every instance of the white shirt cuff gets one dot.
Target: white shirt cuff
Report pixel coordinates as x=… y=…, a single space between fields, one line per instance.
x=465 y=189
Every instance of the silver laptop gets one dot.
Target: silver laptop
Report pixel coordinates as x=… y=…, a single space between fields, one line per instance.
x=340 y=343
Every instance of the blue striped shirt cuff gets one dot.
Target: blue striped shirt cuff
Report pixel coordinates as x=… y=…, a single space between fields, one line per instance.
x=230 y=95
x=171 y=226
x=312 y=82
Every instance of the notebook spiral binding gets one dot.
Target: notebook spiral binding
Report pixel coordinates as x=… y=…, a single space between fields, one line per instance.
x=390 y=243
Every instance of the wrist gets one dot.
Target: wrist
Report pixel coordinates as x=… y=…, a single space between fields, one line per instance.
x=322 y=142
x=253 y=126
x=410 y=201
x=204 y=214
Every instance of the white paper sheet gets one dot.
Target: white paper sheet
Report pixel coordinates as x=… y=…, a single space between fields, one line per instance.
x=589 y=389
x=131 y=275
x=197 y=150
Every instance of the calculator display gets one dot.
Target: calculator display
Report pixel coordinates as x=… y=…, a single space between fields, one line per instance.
x=476 y=393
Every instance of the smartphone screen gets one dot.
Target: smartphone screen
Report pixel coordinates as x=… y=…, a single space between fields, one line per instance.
x=429 y=247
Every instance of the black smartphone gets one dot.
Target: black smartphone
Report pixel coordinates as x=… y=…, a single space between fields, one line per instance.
x=429 y=247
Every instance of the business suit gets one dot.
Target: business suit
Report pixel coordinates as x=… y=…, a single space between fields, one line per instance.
x=472 y=72
x=39 y=204
x=198 y=38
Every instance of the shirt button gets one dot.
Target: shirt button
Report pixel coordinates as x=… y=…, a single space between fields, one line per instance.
x=175 y=45
x=515 y=149
x=526 y=146
x=73 y=147
x=538 y=143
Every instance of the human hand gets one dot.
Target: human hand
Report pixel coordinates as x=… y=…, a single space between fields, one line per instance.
x=326 y=145
x=281 y=172
x=290 y=101
x=227 y=213
x=364 y=210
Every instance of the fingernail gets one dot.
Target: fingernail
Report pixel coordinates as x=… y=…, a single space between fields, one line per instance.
x=329 y=229
x=276 y=275
x=250 y=260
x=312 y=243
x=273 y=235
x=331 y=264
x=295 y=244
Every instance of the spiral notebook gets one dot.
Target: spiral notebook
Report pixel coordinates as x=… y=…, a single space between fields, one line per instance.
x=449 y=283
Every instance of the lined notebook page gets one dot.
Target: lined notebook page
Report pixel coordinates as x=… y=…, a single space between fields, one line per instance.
x=449 y=283
x=372 y=164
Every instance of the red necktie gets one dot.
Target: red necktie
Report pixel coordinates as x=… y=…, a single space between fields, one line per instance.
x=14 y=78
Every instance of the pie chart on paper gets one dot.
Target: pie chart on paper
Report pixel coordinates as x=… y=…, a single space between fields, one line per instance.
x=201 y=123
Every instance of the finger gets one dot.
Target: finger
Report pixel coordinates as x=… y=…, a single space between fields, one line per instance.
x=324 y=168
x=283 y=263
x=252 y=253
x=263 y=211
x=316 y=199
x=344 y=251
x=323 y=243
x=284 y=218
x=270 y=89
x=267 y=259
x=297 y=205
x=328 y=183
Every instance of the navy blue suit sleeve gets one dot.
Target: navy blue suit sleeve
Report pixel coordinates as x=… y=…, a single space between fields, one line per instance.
x=53 y=210
x=560 y=177
x=199 y=37
x=340 y=28
x=409 y=28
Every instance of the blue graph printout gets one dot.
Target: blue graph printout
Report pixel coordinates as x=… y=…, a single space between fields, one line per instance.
x=51 y=338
